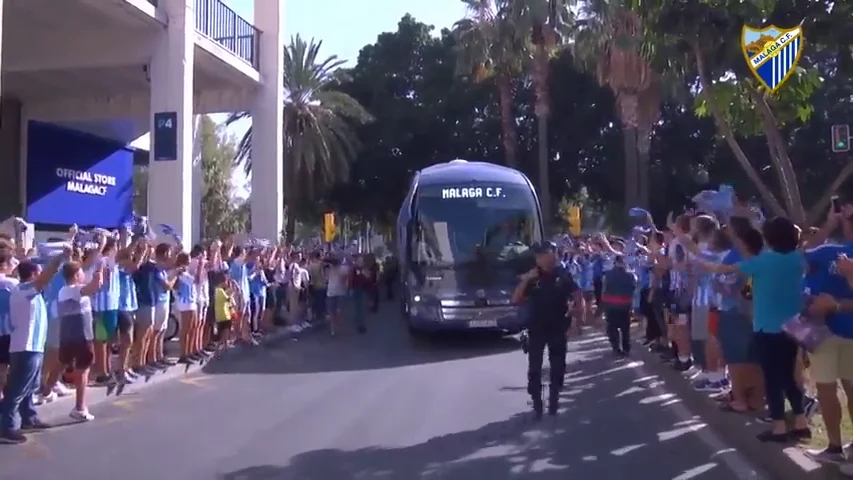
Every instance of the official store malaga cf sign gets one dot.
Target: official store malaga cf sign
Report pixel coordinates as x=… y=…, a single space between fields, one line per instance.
x=75 y=177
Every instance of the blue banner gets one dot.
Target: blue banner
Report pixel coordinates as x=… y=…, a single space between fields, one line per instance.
x=75 y=177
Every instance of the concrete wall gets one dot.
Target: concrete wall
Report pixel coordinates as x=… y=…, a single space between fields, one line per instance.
x=11 y=192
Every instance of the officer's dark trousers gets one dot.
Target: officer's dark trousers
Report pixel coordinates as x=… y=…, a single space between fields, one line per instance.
x=619 y=329
x=556 y=343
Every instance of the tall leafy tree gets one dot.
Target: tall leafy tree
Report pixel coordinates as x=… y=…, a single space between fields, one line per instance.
x=608 y=39
x=221 y=214
x=491 y=48
x=704 y=39
x=319 y=140
x=548 y=23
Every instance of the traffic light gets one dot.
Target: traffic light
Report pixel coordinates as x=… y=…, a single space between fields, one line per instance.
x=328 y=227
x=841 y=138
x=575 y=220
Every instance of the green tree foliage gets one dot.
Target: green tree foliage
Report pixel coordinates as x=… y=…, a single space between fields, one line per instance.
x=425 y=113
x=701 y=41
x=221 y=215
x=492 y=48
x=319 y=141
x=140 y=189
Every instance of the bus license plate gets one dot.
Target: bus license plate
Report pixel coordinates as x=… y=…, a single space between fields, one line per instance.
x=482 y=324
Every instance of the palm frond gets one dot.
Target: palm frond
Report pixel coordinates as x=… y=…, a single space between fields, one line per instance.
x=319 y=139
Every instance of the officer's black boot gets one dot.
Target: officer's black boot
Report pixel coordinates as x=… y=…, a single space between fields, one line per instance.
x=553 y=401
x=537 y=407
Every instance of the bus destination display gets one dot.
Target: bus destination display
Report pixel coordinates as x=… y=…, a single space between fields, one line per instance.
x=472 y=192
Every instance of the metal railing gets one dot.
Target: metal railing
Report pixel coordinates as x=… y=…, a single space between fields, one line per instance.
x=214 y=19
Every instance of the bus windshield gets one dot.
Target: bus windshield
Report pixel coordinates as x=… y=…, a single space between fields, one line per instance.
x=458 y=225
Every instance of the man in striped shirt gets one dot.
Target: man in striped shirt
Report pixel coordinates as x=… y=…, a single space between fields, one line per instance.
x=28 y=321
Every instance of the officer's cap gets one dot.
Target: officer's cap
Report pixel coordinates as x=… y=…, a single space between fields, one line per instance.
x=544 y=247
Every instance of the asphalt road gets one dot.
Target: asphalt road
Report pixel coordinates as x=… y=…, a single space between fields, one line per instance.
x=380 y=406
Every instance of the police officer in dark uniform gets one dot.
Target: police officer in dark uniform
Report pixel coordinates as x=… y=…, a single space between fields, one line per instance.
x=549 y=291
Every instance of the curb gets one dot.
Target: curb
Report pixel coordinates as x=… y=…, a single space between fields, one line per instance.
x=739 y=431
x=58 y=409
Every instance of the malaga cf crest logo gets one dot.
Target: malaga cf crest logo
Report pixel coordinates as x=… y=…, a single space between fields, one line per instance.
x=772 y=53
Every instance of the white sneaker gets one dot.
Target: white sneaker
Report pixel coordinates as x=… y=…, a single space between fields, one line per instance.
x=50 y=397
x=38 y=399
x=81 y=415
x=61 y=390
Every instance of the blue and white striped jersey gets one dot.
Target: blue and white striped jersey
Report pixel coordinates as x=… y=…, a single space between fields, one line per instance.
x=7 y=284
x=705 y=294
x=678 y=279
x=107 y=298
x=128 y=301
x=29 y=319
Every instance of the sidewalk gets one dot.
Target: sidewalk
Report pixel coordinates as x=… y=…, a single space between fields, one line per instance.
x=739 y=430
x=56 y=412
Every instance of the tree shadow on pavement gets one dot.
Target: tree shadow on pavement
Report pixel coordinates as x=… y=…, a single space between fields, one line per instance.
x=608 y=429
x=387 y=344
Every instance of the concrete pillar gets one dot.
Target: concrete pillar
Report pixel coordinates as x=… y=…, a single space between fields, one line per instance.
x=267 y=129
x=170 y=183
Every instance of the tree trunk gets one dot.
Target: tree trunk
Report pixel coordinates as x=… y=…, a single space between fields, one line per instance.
x=542 y=110
x=290 y=228
x=290 y=182
x=644 y=143
x=544 y=180
x=508 y=135
x=725 y=130
x=629 y=142
x=780 y=159
x=628 y=105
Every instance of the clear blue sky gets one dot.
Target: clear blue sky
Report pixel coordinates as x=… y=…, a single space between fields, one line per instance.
x=345 y=26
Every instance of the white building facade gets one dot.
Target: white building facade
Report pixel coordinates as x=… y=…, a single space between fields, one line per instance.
x=120 y=68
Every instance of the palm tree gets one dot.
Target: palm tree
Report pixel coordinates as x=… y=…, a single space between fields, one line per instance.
x=319 y=140
x=609 y=41
x=547 y=21
x=491 y=48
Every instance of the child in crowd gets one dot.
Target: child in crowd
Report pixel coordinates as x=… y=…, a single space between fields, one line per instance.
x=77 y=336
x=223 y=308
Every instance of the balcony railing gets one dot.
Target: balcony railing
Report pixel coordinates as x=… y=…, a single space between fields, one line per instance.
x=214 y=19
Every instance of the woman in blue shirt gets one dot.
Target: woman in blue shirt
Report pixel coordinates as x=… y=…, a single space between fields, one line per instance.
x=777 y=282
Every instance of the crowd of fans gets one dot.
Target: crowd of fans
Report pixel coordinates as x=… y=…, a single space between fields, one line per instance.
x=67 y=307
x=754 y=312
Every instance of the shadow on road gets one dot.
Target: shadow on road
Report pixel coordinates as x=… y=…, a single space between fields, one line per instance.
x=611 y=424
x=387 y=344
